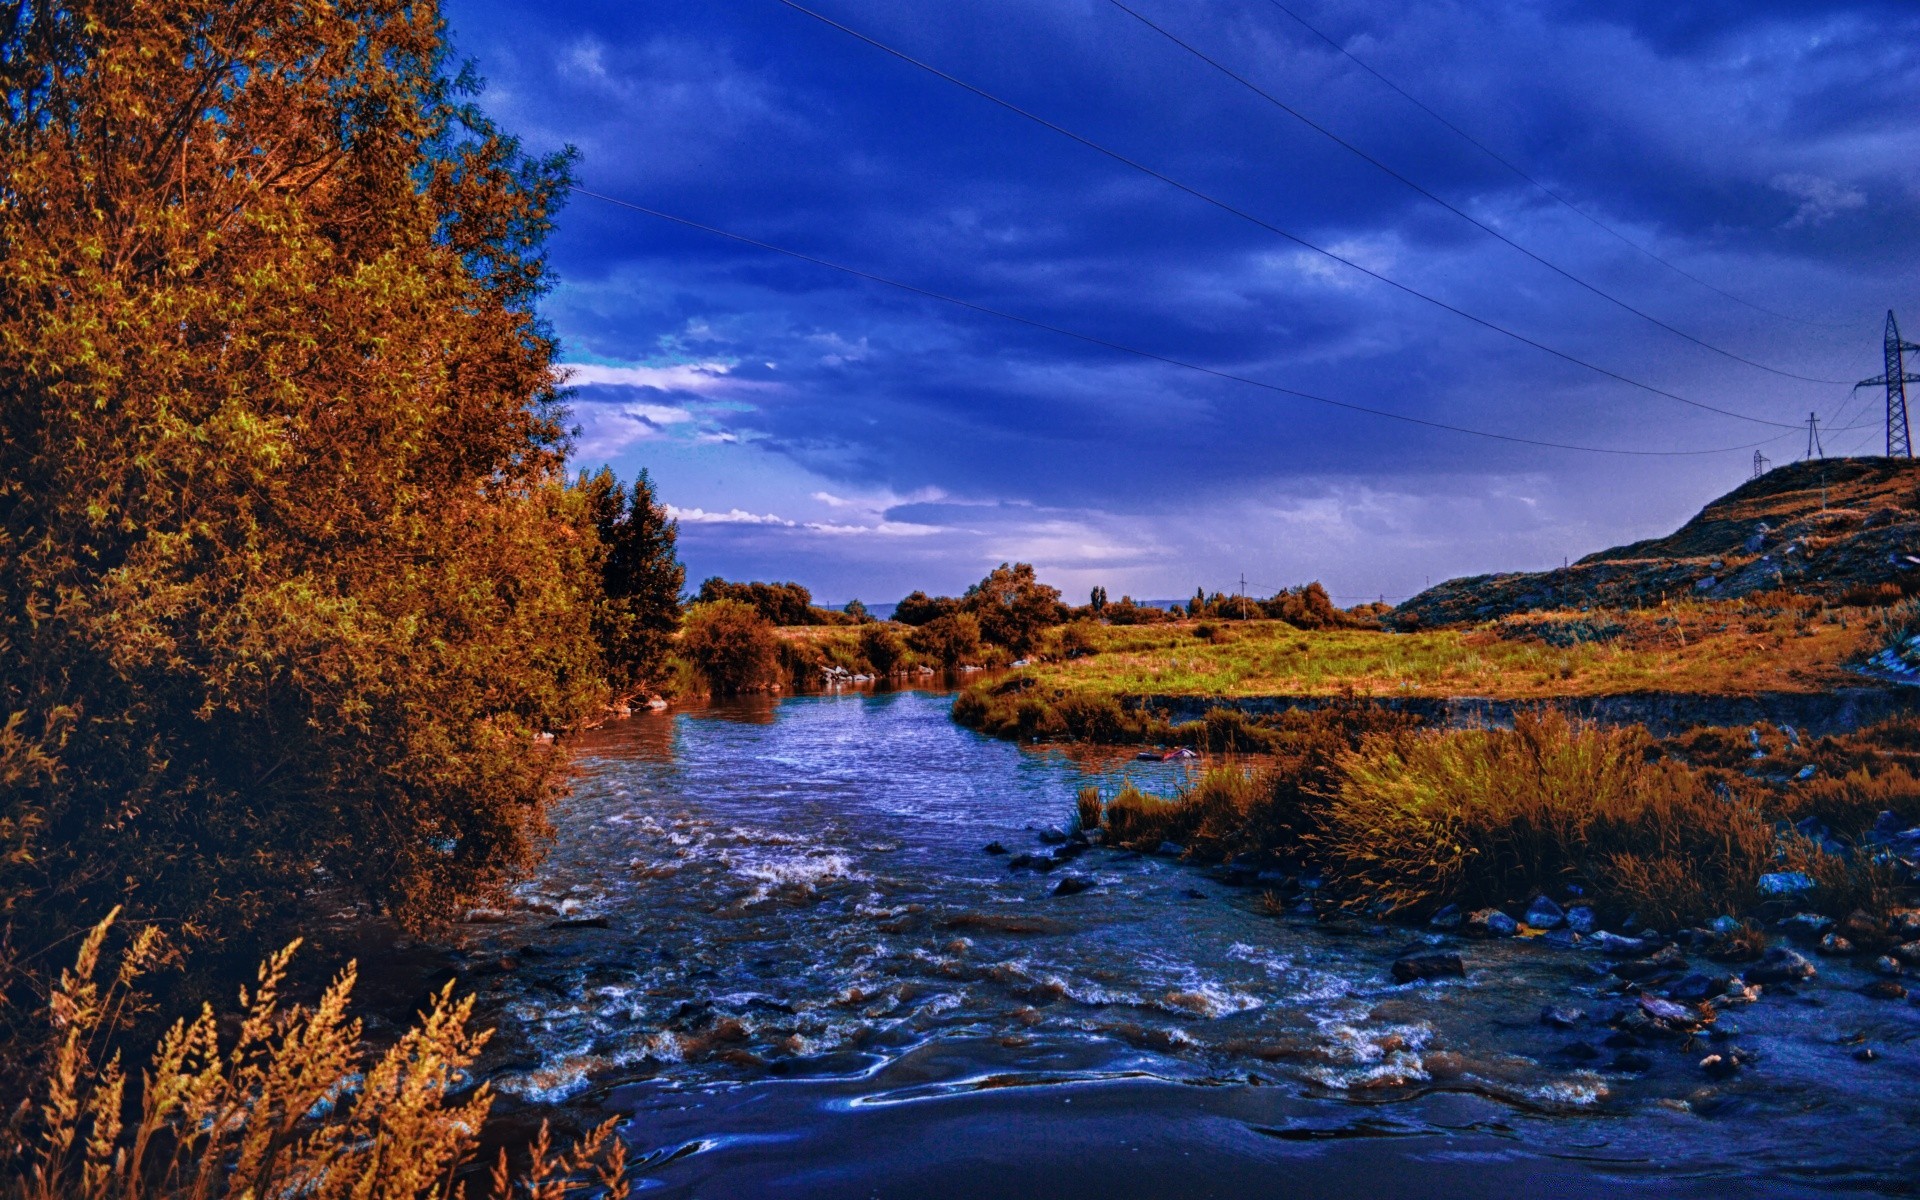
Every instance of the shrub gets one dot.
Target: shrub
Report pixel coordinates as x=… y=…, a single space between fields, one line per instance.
x=881 y=645
x=949 y=640
x=732 y=646
x=292 y=1108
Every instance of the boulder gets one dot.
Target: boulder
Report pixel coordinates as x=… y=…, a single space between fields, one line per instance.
x=994 y=848
x=1580 y=919
x=1780 y=965
x=1491 y=922
x=1432 y=964
x=1543 y=913
x=1833 y=943
x=1785 y=883
x=1884 y=989
x=1561 y=1017
x=1071 y=885
x=1448 y=917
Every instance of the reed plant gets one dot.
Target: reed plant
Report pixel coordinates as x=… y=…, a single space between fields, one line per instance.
x=278 y=1100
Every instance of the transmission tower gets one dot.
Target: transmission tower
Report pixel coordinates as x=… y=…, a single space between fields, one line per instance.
x=1896 y=379
x=1761 y=464
x=1814 y=448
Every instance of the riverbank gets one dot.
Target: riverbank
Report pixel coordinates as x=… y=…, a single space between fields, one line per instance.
x=767 y=933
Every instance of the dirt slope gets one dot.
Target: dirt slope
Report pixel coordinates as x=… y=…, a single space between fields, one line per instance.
x=1836 y=528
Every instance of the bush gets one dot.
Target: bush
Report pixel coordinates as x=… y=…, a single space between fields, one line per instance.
x=732 y=646
x=881 y=645
x=292 y=1108
x=949 y=640
x=1488 y=816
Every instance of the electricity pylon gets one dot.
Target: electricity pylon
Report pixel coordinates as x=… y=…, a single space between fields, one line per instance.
x=1896 y=379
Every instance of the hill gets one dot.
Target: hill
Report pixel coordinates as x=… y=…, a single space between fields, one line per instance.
x=1843 y=529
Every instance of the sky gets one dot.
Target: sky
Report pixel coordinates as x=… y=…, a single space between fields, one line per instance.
x=1706 y=183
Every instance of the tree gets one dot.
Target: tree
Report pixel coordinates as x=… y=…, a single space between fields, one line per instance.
x=734 y=648
x=857 y=611
x=291 y=589
x=950 y=640
x=1013 y=607
x=780 y=603
x=918 y=608
x=1097 y=601
x=640 y=578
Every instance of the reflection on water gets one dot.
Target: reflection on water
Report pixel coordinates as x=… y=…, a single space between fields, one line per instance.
x=768 y=930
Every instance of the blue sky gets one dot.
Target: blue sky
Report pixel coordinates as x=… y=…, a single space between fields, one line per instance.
x=811 y=425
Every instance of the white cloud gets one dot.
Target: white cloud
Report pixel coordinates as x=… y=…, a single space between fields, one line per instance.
x=679 y=377
x=733 y=516
x=1820 y=199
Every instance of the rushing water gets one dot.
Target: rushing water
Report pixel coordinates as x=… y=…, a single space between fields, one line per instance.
x=768 y=936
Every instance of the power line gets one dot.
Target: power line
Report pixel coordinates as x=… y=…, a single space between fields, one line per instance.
x=1163 y=358
x=1556 y=196
x=1271 y=228
x=1476 y=222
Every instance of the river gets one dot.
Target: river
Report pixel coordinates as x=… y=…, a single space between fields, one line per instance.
x=767 y=936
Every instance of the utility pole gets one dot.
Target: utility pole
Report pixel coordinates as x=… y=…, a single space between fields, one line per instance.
x=1895 y=380
x=1243 y=595
x=1760 y=464
x=1814 y=448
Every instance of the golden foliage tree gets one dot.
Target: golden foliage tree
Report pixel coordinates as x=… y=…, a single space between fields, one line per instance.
x=290 y=582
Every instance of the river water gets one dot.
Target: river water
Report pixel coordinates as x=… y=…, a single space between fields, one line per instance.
x=767 y=936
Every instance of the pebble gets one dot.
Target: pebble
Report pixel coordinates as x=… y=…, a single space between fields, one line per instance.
x=1888 y=965
x=1865 y=1054
x=1884 y=989
x=1833 y=943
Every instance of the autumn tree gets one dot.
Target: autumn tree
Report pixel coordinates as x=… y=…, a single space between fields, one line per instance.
x=291 y=588
x=1013 y=606
x=640 y=578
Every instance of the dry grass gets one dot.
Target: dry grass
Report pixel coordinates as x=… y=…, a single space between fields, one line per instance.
x=290 y=1107
x=1736 y=648
x=1407 y=820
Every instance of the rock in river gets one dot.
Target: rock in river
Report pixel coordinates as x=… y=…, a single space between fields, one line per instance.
x=1436 y=964
x=1071 y=885
x=1543 y=913
x=1780 y=965
x=1491 y=922
x=1561 y=1017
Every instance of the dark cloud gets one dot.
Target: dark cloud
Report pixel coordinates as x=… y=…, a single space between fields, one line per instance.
x=1765 y=147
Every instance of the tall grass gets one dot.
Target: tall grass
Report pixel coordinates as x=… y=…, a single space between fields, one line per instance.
x=1488 y=816
x=1407 y=820
x=279 y=1100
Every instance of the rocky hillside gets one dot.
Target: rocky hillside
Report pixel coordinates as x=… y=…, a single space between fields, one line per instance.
x=1839 y=528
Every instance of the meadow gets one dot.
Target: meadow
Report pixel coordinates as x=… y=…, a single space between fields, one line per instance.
x=1765 y=644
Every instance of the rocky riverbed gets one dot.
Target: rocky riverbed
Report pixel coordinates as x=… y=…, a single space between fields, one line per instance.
x=771 y=938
